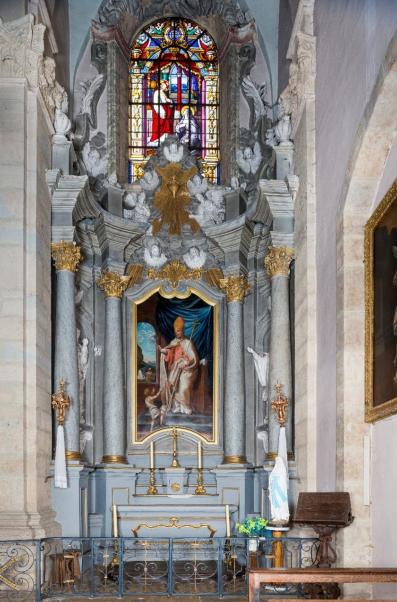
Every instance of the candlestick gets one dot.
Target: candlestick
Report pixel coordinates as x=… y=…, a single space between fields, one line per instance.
x=115 y=526
x=199 y=458
x=151 y=454
x=200 y=489
x=227 y=513
x=174 y=463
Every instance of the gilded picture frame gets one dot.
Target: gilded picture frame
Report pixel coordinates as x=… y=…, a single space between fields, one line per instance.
x=380 y=248
x=142 y=408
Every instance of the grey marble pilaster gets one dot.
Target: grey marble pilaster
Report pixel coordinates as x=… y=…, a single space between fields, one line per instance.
x=66 y=356
x=234 y=404
x=114 y=444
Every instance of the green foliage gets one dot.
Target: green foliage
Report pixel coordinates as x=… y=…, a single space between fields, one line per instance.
x=252 y=527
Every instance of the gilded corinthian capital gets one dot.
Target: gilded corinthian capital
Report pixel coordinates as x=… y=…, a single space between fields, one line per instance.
x=113 y=284
x=277 y=261
x=235 y=287
x=66 y=255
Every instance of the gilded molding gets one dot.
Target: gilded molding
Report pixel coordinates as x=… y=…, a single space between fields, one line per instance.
x=174 y=272
x=113 y=284
x=278 y=260
x=114 y=459
x=234 y=460
x=66 y=256
x=72 y=455
x=173 y=523
x=235 y=287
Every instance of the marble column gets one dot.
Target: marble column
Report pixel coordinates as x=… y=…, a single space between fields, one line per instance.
x=114 y=421
x=236 y=288
x=277 y=264
x=67 y=257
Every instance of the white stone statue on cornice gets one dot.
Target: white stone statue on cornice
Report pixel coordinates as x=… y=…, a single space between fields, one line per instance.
x=149 y=180
x=195 y=258
x=197 y=185
x=137 y=208
x=283 y=130
x=173 y=152
x=211 y=208
x=94 y=163
x=153 y=254
x=62 y=124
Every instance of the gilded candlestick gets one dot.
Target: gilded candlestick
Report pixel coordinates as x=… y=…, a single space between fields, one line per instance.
x=200 y=489
x=152 y=489
x=174 y=463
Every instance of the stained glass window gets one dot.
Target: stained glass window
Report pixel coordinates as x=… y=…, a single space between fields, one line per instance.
x=174 y=90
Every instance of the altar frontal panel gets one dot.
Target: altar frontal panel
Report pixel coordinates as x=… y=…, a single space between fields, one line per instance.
x=174 y=365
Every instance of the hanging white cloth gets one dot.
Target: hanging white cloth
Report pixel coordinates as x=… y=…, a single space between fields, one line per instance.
x=60 y=460
x=261 y=362
x=278 y=483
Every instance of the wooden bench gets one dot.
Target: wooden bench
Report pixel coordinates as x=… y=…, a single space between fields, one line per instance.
x=256 y=577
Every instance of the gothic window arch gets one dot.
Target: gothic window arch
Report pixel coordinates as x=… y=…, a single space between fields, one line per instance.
x=174 y=89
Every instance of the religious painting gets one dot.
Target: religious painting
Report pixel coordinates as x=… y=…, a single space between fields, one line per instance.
x=174 y=365
x=381 y=309
x=174 y=90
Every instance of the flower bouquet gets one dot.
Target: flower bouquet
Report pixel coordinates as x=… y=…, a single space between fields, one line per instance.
x=252 y=527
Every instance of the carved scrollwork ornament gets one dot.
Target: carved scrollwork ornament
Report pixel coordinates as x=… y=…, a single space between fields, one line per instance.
x=66 y=256
x=174 y=272
x=113 y=284
x=278 y=260
x=236 y=288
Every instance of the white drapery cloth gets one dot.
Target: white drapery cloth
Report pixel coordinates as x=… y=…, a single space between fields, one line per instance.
x=278 y=483
x=60 y=460
x=261 y=362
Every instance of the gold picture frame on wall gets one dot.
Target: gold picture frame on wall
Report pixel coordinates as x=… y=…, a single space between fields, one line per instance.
x=381 y=309
x=174 y=371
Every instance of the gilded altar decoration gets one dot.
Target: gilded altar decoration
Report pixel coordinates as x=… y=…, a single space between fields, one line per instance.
x=66 y=255
x=174 y=345
x=278 y=260
x=174 y=272
x=173 y=523
x=134 y=272
x=381 y=309
x=173 y=199
x=235 y=287
x=60 y=402
x=213 y=276
x=113 y=284
x=279 y=405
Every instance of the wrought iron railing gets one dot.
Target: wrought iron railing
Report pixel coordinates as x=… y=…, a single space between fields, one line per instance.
x=106 y=567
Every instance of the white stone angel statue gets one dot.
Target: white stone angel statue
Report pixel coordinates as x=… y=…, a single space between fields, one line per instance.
x=195 y=258
x=197 y=185
x=211 y=209
x=153 y=255
x=249 y=159
x=136 y=207
x=95 y=164
x=149 y=180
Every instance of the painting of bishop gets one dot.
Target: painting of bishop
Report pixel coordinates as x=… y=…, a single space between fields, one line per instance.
x=174 y=369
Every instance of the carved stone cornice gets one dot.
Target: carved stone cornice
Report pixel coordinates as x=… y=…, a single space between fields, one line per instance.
x=236 y=287
x=66 y=256
x=113 y=284
x=278 y=260
x=21 y=49
x=174 y=272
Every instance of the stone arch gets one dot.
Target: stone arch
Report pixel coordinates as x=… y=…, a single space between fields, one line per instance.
x=375 y=138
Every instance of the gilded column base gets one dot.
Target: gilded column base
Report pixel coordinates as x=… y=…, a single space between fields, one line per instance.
x=72 y=455
x=273 y=456
x=234 y=460
x=114 y=460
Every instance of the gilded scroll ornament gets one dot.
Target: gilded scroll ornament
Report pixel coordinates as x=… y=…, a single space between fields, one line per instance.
x=134 y=272
x=66 y=255
x=113 y=284
x=213 y=276
x=174 y=272
x=278 y=260
x=173 y=523
x=173 y=198
x=235 y=287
